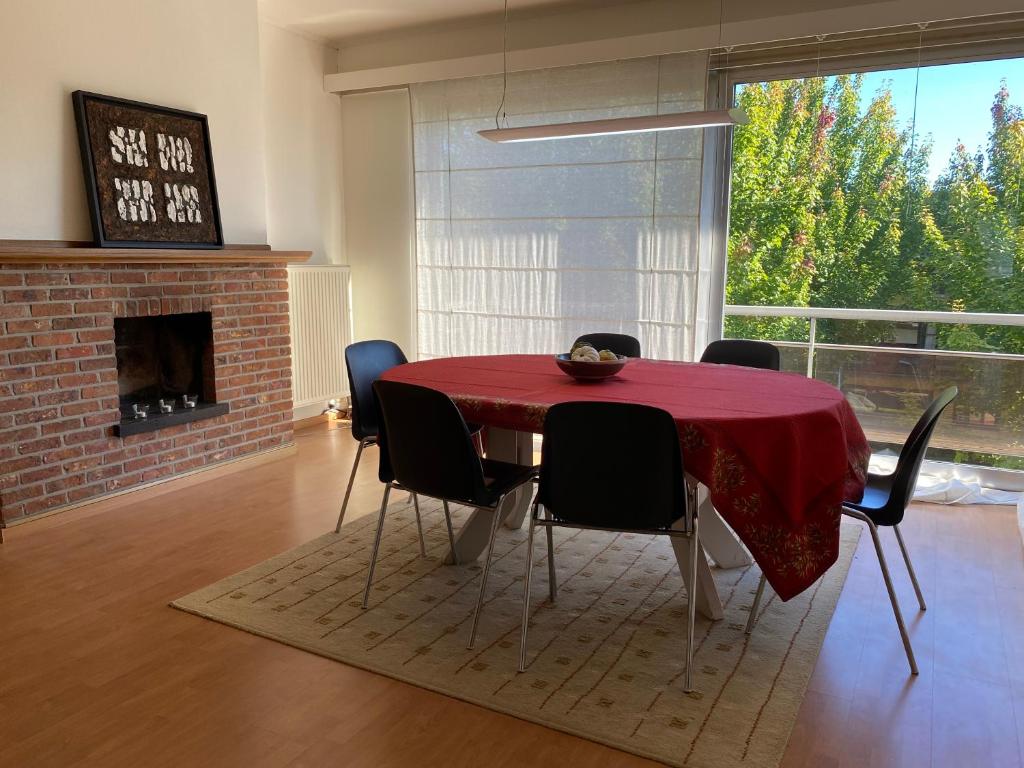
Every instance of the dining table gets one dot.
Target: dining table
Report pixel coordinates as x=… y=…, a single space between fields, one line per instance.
x=775 y=453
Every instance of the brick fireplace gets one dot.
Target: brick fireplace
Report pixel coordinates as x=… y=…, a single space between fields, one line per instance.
x=60 y=409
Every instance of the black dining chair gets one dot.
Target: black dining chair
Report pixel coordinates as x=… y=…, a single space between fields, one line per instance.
x=637 y=445
x=427 y=449
x=365 y=361
x=745 y=352
x=885 y=502
x=619 y=343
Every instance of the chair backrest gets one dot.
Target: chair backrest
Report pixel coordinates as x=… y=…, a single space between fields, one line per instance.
x=751 y=354
x=619 y=343
x=365 y=362
x=612 y=465
x=425 y=444
x=904 y=478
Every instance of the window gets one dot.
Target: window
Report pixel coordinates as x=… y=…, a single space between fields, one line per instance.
x=522 y=247
x=890 y=190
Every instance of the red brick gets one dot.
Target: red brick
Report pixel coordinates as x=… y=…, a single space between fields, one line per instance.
x=51 y=310
x=8 y=343
x=56 y=427
x=82 y=436
x=69 y=294
x=141 y=463
x=97 y=277
x=25 y=462
x=44 y=504
x=46 y=278
x=22 y=492
x=95 y=334
x=16 y=404
x=25 y=295
x=63 y=454
x=73 y=323
x=76 y=409
x=78 y=350
x=32 y=386
x=53 y=339
x=121 y=278
x=57 y=398
x=78 y=379
x=85 y=492
x=24 y=356
x=55 y=369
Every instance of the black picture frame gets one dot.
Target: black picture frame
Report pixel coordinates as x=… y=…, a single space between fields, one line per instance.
x=169 y=199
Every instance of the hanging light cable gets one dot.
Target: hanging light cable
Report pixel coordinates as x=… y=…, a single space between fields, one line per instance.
x=708 y=118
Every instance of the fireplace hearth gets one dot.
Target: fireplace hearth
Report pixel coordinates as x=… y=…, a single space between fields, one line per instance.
x=165 y=373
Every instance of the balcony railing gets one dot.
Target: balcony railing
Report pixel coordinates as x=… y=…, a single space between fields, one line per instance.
x=893 y=371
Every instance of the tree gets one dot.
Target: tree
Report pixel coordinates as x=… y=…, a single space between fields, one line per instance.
x=831 y=206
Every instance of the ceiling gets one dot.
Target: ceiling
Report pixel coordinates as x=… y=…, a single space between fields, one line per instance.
x=340 y=20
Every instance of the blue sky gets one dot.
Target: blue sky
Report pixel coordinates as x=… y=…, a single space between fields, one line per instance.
x=953 y=102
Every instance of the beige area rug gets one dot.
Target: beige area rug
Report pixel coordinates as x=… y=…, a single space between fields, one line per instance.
x=606 y=660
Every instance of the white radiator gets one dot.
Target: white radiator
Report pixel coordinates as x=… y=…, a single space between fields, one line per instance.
x=320 y=309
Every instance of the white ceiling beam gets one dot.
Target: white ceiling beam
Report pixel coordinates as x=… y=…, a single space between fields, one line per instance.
x=589 y=52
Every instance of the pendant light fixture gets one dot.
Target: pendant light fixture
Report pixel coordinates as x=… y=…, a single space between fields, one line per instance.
x=611 y=126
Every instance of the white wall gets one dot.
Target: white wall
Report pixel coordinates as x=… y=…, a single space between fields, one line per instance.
x=191 y=54
x=378 y=177
x=305 y=206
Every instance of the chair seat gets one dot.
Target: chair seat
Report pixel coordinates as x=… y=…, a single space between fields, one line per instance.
x=874 y=502
x=502 y=476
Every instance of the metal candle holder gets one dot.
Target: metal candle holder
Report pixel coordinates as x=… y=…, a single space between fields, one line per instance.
x=140 y=410
x=165 y=406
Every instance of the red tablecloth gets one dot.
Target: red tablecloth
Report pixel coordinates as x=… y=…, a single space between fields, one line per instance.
x=777 y=451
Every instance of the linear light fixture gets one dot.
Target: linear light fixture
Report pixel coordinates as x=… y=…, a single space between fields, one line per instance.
x=618 y=125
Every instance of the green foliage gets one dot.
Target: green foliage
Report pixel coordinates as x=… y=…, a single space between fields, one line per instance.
x=831 y=206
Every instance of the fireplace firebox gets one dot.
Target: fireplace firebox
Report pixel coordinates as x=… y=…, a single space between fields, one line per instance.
x=165 y=371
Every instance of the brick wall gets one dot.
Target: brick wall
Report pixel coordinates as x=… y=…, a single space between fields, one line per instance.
x=58 y=376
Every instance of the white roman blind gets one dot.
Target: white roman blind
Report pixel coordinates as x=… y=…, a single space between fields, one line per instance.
x=522 y=247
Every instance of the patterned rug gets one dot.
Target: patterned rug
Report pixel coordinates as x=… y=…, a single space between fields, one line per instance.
x=606 y=661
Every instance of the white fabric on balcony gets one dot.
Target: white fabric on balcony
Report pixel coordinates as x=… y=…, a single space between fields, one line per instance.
x=522 y=247
x=940 y=486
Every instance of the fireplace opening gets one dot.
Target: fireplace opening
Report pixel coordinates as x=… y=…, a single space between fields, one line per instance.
x=165 y=371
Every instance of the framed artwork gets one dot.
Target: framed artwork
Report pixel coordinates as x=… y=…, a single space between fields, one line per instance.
x=148 y=174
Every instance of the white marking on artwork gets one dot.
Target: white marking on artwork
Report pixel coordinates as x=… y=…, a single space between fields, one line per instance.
x=128 y=146
x=183 y=203
x=135 y=200
x=175 y=153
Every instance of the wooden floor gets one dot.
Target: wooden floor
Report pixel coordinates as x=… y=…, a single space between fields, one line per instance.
x=96 y=669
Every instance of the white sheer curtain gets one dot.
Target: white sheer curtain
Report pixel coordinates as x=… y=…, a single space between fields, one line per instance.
x=522 y=247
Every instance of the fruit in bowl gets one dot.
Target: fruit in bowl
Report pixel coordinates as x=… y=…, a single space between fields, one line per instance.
x=585 y=363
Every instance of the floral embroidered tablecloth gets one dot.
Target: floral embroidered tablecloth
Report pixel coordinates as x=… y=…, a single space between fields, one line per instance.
x=778 y=452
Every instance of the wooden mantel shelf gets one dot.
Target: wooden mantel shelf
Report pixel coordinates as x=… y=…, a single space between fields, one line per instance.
x=65 y=252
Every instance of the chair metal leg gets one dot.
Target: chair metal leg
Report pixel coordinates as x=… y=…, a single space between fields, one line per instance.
x=419 y=525
x=487 y=570
x=451 y=533
x=691 y=608
x=752 y=618
x=552 y=581
x=351 y=479
x=526 y=590
x=376 y=545
x=888 y=584
x=910 y=568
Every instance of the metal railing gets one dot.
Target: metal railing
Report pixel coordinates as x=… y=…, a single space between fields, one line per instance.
x=813 y=314
x=888 y=382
